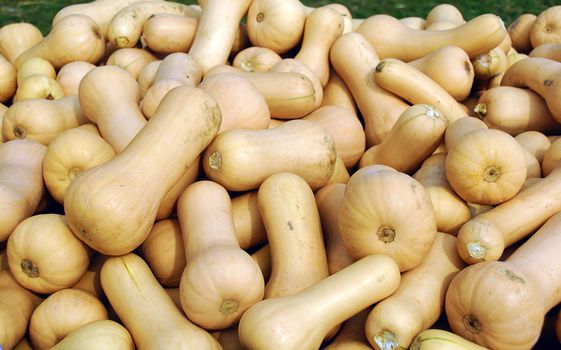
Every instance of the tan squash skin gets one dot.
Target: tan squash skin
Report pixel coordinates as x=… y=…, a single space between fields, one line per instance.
x=90 y=281
x=109 y=191
x=519 y=32
x=101 y=335
x=115 y=111
x=158 y=324
x=70 y=153
x=293 y=226
x=8 y=79
x=413 y=22
x=3 y=260
x=44 y=256
x=418 y=301
x=15 y=38
x=276 y=25
x=23 y=345
x=328 y=201
x=346 y=130
x=484 y=299
x=438 y=339
x=380 y=219
x=486 y=166
x=477 y=36
x=256 y=59
x=551 y=157
x=515 y=110
x=444 y=13
x=551 y=51
x=416 y=87
x=289 y=95
x=60 y=314
x=164 y=252
x=535 y=142
x=147 y=76
x=340 y=173
x=241 y=159
x=352 y=336
x=71 y=74
x=301 y=321
x=323 y=26
x=21 y=182
x=336 y=93
x=38 y=86
x=485 y=237
x=250 y=230
x=216 y=31
x=263 y=258
x=545 y=30
x=228 y=339
x=459 y=128
x=354 y=59
x=220 y=281
x=540 y=75
x=125 y=26
x=418 y=131
x=167 y=33
x=490 y=64
x=451 y=211
x=131 y=59
x=241 y=104
x=102 y=11
x=17 y=305
x=74 y=38
x=35 y=66
x=451 y=68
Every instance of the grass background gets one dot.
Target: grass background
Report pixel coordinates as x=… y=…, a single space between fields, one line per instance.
x=40 y=12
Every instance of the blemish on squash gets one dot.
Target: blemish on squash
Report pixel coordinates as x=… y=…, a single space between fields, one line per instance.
x=122 y=41
x=512 y=276
x=260 y=17
x=72 y=173
x=480 y=110
x=386 y=234
x=386 y=340
x=476 y=250
x=290 y=225
x=472 y=324
x=547 y=82
x=97 y=33
x=29 y=269
x=20 y=132
x=228 y=307
x=467 y=66
x=215 y=161
x=49 y=97
x=380 y=66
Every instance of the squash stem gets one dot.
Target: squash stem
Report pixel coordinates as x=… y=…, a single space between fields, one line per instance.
x=386 y=234
x=386 y=340
x=491 y=174
x=20 y=132
x=472 y=324
x=228 y=307
x=476 y=250
x=215 y=161
x=480 y=110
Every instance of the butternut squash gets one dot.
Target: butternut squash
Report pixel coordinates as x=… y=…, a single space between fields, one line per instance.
x=490 y=64
x=328 y=201
x=60 y=314
x=276 y=25
x=241 y=104
x=90 y=281
x=451 y=68
x=444 y=13
x=476 y=36
x=519 y=32
x=158 y=324
x=21 y=182
x=483 y=299
x=15 y=38
x=131 y=59
x=39 y=86
x=551 y=51
x=551 y=157
x=255 y=59
x=241 y=159
x=250 y=230
x=451 y=211
x=438 y=339
x=35 y=66
x=115 y=112
x=391 y=206
x=8 y=79
x=485 y=237
x=44 y=256
x=17 y=304
x=418 y=301
x=540 y=75
x=216 y=31
x=164 y=252
x=459 y=128
x=70 y=153
x=109 y=191
x=168 y=33
x=147 y=76
x=336 y=93
x=220 y=281
x=291 y=219
x=513 y=57
x=71 y=74
x=545 y=29
x=345 y=128
x=353 y=58
x=125 y=26
x=418 y=131
x=73 y=38
x=414 y=86
x=340 y=173
x=414 y=22
x=301 y=321
x=352 y=335
x=535 y=142
x=515 y=110
x=262 y=257
x=486 y=166
x=102 y=335
x=323 y=26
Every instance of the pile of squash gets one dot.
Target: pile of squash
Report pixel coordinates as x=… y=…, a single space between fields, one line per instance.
x=259 y=174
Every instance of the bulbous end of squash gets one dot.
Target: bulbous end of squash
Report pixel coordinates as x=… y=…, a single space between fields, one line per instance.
x=480 y=240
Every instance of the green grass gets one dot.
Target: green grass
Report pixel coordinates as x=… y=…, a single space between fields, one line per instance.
x=40 y=12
